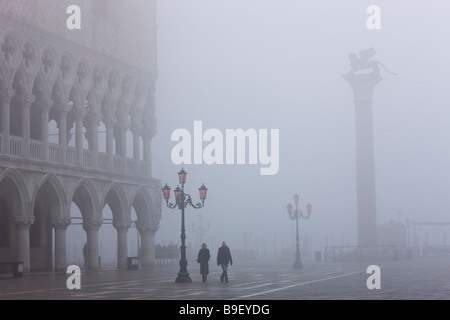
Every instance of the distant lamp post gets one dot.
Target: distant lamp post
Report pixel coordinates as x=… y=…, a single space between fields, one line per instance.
x=182 y=200
x=295 y=215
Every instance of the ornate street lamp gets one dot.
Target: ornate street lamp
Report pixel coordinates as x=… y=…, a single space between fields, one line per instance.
x=182 y=200
x=295 y=215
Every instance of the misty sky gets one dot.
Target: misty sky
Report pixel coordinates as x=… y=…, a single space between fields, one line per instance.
x=269 y=64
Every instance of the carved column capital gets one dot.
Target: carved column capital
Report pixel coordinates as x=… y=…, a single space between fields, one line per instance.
x=79 y=113
x=25 y=100
x=7 y=95
x=110 y=122
x=61 y=223
x=121 y=226
x=92 y=224
x=63 y=107
x=145 y=227
x=23 y=221
x=45 y=104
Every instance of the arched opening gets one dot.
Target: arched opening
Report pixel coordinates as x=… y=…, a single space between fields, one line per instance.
x=84 y=228
x=133 y=236
x=76 y=238
x=8 y=231
x=16 y=112
x=46 y=205
x=112 y=237
x=11 y=205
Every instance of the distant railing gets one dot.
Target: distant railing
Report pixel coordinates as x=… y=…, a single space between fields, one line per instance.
x=35 y=149
x=15 y=145
x=363 y=253
x=132 y=168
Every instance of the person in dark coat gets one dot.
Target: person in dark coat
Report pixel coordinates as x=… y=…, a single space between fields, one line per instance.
x=223 y=259
x=203 y=259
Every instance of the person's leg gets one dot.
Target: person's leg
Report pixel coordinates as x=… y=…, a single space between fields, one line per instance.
x=222 y=276
x=225 y=272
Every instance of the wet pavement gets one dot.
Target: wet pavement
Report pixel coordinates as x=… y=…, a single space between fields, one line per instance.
x=421 y=278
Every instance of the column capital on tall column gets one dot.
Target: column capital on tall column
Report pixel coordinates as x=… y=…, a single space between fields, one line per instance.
x=149 y=129
x=110 y=122
x=92 y=224
x=145 y=227
x=79 y=113
x=121 y=225
x=61 y=223
x=45 y=104
x=136 y=128
x=63 y=107
x=7 y=93
x=363 y=84
x=26 y=100
x=94 y=117
x=23 y=221
x=122 y=124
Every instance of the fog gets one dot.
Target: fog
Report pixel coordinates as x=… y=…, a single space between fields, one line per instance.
x=279 y=65
x=267 y=64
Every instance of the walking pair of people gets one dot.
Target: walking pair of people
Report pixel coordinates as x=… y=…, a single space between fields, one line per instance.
x=223 y=259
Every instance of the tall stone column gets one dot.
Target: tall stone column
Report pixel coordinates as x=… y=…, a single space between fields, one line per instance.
x=92 y=227
x=25 y=102
x=5 y=103
x=23 y=224
x=363 y=86
x=60 y=226
x=109 y=124
x=45 y=107
x=122 y=243
x=122 y=127
x=147 y=255
x=63 y=110
x=136 y=130
x=79 y=114
x=94 y=122
x=148 y=132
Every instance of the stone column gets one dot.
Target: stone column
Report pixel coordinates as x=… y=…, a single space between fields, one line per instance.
x=94 y=122
x=25 y=102
x=148 y=133
x=79 y=114
x=5 y=102
x=45 y=107
x=363 y=86
x=109 y=124
x=63 y=110
x=136 y=130
x=92 y=227
x=147 y=254
x=23 y=224
x=60 y=226
x=122 y=126
x=122 y=243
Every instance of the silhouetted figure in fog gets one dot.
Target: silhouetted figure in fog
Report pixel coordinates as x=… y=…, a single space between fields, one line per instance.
x=223 y=259
x=203 y=259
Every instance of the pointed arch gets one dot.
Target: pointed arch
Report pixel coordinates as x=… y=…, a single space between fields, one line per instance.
x=51 y=183
x=116 y=199
x=17 y=188
x=85 y=197
x=142 y=204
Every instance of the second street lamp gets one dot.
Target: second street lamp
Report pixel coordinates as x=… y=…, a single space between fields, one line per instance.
x=182 y=200
x=295 y=215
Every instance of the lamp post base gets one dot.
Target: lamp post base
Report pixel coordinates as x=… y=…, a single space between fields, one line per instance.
x=298 y=264
x=183 y=277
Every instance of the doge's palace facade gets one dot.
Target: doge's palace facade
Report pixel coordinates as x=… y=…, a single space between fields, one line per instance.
x=77 y=117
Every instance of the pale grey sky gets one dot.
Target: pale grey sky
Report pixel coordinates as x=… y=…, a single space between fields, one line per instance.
x=269 y=64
